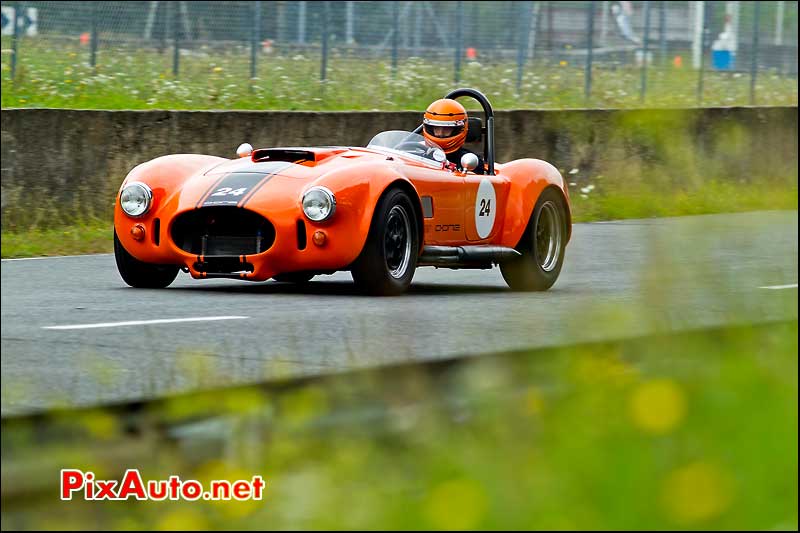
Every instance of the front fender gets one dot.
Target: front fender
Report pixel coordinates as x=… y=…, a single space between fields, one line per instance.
x=358 y=188
x=165 y=176
x=529 y=177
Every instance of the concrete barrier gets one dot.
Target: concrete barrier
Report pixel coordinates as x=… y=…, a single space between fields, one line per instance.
x=62 y=166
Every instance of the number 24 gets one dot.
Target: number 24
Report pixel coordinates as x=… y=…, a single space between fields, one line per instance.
x=228 y=191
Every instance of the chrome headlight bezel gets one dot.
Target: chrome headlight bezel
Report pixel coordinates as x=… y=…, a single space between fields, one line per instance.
x=145 y=190
x=329 y=197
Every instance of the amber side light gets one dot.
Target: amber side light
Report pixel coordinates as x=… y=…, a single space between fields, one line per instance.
x=319 y=238
x=137 y=232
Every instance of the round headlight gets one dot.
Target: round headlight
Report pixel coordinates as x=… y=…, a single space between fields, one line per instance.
x=319 y=204
x=135 y=199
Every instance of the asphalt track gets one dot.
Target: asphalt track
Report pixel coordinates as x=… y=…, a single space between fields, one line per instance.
x=621 y=279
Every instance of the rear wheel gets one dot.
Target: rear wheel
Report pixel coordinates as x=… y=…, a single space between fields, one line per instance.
x=139 y=274
x=542 y=246
x=389 y=258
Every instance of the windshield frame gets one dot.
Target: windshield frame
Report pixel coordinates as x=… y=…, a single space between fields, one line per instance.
x=409 y=136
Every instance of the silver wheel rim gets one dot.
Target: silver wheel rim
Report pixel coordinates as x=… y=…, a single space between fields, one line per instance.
x=547 y=241
x=397 y=242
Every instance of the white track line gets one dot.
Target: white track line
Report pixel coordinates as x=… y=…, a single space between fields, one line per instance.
x=52 y=257
x=777 y=287
x=145 y=322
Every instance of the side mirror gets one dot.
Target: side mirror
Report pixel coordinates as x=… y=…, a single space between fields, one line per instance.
x=244 y=150
x=439 y=155
x=469 y=162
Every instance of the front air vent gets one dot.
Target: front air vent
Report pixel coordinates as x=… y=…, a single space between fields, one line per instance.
x=222 y=231
x=301 y=235
x=157 y=231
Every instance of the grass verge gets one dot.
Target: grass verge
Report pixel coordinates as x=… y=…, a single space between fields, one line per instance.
x=92 y=237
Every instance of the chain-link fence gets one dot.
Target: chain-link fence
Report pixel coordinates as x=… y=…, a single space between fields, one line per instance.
x=364 y=54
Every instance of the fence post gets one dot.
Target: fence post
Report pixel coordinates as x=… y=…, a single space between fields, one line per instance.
x=645 y=43
x=459 y=38
x=417 y=29
x=255 y=38
x=703 y=40
x=395 y=36
x=93 y=56
x=176 y=52
x=522 y=45
x=754 y=59
x=662 y=31
x=325 y=20
x=779 y=23
x=349 y=11
x=604 y=23
x=301 y=22
x=163 y=36
x=549 y=26
x=587 y=87
x=697 y=31
x=15 y=39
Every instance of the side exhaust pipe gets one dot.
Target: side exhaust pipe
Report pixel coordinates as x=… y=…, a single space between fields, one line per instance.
x=454 y=256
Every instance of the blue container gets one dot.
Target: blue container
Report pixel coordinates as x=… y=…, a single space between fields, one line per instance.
x=722 y=59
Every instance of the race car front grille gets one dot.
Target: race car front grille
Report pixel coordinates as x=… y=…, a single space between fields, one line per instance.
x=222 y=231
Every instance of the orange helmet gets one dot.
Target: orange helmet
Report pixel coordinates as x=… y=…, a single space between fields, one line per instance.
x=445 y=123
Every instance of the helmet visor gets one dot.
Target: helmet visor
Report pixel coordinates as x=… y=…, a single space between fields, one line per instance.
x=443 y=131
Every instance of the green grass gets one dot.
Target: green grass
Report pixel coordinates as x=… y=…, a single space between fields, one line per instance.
x=89 y=238
x=55 y=73
x=687 y=431
x=646 y=202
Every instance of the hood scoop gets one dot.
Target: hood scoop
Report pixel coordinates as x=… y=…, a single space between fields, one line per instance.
x=289 y=155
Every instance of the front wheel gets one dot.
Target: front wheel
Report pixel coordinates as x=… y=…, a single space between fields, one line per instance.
x=389 y=258
x=139 y=274
x=542 y=246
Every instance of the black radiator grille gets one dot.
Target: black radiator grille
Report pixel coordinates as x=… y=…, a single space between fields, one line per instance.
x=222 y=230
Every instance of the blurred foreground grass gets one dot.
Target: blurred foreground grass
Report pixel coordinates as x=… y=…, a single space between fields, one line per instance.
x=603 y=200
x=690 y=431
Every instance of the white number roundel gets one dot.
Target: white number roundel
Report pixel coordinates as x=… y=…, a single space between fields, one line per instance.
x=485 y=208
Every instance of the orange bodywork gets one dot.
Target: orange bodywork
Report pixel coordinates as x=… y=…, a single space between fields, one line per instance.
x=453 y=208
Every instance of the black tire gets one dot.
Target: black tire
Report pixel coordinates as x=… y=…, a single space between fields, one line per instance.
x=139 y=274
x=542 y=246
x=294 y=277
x=389 y=258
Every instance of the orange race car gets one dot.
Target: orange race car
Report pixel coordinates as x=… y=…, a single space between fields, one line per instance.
x=379 y=212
